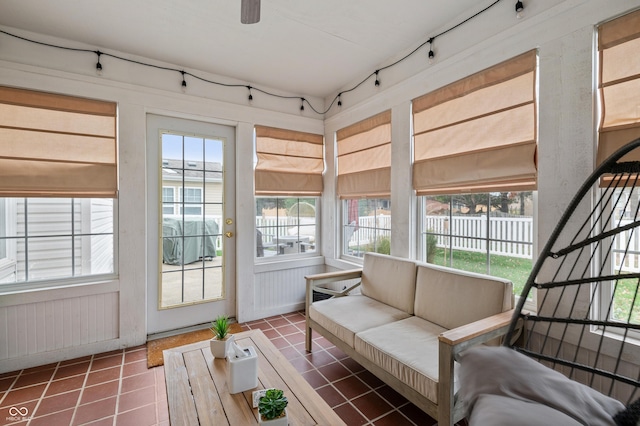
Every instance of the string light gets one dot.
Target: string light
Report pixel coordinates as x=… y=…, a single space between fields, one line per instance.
x=519 y=9
x=432 y=54
x=519 y=13
x=98 y=65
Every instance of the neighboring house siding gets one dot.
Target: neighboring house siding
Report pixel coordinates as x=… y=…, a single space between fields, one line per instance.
x=50 y=243
x=212 y=194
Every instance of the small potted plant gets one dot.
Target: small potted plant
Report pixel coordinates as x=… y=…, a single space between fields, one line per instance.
x=221 y=338
x=272 y=408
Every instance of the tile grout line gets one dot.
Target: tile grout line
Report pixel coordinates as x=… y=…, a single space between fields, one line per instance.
x=82 y=388
x=117 y=408
x=44 y=391
x=10 y=388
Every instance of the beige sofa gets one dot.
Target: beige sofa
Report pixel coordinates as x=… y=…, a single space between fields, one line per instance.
x=407 y=323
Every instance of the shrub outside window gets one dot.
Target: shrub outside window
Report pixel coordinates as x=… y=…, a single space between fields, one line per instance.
x=489 y=233
x=286 y=226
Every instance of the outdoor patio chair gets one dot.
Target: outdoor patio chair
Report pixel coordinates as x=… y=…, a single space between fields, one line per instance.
x=584 y=337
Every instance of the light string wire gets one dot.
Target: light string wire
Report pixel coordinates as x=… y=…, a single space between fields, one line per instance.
x=337 y=98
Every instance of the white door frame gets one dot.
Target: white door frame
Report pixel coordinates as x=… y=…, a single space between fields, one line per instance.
x=185 y=316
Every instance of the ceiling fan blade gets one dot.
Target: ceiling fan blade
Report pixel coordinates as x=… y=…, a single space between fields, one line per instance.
x=250 y=11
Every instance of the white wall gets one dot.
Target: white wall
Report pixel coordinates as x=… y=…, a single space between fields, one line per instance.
x=562 y=31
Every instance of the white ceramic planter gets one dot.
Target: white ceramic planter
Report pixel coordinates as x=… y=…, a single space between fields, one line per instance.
x=281 y=421
x=219 y=348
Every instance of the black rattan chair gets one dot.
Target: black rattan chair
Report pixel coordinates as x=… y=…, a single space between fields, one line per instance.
x=586 y=281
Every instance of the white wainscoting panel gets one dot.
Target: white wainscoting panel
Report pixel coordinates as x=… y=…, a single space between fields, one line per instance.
x=282 y=291
x=51 y=325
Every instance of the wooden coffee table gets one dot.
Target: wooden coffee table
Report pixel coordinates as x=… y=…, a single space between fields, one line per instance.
x=197 y=388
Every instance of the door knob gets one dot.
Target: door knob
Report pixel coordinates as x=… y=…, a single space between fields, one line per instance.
x=228 y=234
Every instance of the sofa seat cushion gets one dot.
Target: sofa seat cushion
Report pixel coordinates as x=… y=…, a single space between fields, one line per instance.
x=345 y=316
x=407 y=349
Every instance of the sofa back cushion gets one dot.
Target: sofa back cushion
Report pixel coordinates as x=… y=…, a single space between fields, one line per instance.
x=451 y=298
x=390 y=280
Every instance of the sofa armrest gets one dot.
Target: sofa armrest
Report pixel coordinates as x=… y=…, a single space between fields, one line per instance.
x=329 y=277
x=313 y=284
x=478 y=331
x=454 y=341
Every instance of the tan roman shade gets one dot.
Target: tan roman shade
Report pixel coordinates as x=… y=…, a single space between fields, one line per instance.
x=618 y=47
x=364 y=158
x=478 y=134
x=289 y=162
x=56 y=146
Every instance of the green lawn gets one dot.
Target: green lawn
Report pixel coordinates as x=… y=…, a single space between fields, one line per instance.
x=624 y=297
x=512 y=268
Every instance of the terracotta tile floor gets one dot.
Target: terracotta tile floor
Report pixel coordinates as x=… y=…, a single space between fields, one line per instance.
x=116 y=388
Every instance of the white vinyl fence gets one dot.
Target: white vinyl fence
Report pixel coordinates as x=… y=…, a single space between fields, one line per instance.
x=510 y=236
x=507 y=236
x=629 y=242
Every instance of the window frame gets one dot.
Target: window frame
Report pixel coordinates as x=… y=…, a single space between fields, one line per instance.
x=169 y=204
x=606 y=289
x=33 y=284
x=191 y=204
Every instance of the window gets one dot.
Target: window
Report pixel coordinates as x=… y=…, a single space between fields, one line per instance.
x=624 y=258
x=474 y=169
x=364 y=185
x=619 y=91
x=285 y=225
x=191 y=199
x=58 y=187
x=288 y=183
x=59 y=238
x=168 y=199
x=484 y=233
x=366 y=226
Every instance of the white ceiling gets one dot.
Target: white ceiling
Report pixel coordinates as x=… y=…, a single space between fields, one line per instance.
x=306 y=47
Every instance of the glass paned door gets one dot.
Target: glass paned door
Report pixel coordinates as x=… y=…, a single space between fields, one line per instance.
x=191 y=206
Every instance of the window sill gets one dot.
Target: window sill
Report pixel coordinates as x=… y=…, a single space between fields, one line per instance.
x=13 y=293
x=279 y=263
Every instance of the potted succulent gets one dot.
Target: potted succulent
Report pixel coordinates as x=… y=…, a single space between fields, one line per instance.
x=273 y=408
x=221 y=338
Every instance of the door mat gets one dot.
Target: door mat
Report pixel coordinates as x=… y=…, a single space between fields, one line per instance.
x=155 y=347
